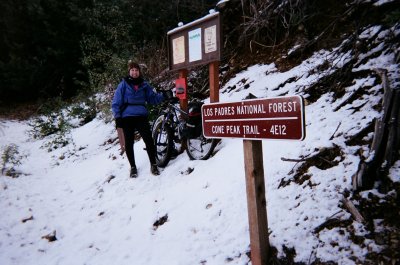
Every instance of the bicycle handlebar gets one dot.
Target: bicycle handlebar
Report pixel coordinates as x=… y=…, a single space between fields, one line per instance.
x=171 y=104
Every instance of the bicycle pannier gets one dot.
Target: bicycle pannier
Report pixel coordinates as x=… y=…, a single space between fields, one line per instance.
x=194 y=121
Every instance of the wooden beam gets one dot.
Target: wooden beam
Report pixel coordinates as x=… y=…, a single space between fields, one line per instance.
x=213 y=68
x=353 y=210
x=256 y=202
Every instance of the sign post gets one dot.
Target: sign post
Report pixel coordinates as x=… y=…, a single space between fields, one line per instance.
x=256 y=202
x=214 y=81
x=196 y=43
x=252 y=120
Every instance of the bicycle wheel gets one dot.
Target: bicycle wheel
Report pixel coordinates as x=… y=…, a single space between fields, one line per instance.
x=200 y=148
x=163 y=141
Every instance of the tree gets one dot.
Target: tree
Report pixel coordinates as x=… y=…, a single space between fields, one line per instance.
x=41 y=48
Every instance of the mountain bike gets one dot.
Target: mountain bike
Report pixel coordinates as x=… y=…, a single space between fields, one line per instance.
x=175 y=130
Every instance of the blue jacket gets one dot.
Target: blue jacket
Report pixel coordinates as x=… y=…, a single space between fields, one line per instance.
x=133 y=103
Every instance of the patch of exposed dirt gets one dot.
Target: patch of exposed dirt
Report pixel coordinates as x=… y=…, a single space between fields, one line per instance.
x=18 y=111
x=323 y=159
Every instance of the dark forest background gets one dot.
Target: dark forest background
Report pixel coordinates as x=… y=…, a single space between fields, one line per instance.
x=61 y=49
x=52 y=48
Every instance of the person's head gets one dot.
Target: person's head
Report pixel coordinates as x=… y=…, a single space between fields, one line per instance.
x=134 y=69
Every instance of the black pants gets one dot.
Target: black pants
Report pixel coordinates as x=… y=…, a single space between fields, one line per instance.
x=141 y=124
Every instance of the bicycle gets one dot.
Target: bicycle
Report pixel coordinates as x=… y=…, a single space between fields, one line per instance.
x=175 y=127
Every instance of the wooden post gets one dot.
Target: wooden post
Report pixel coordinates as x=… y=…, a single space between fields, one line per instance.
x=121 y=139
x=183 y=102
x=213 y=69
x=386 y=141
x=256 y=203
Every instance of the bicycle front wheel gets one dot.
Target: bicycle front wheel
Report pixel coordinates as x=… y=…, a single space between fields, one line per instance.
x=163 y=141
x=200 y=148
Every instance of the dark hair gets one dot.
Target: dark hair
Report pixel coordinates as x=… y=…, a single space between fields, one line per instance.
x=132 y=64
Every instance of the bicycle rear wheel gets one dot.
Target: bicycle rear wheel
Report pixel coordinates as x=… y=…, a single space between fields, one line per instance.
x=163 y=141
x=200 y=148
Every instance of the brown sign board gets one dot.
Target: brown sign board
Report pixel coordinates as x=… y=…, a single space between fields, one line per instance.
x=272 y=118
x=195 y=43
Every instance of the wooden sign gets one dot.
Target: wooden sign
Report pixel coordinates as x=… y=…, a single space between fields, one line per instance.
x=195 y=44
x=271 y=118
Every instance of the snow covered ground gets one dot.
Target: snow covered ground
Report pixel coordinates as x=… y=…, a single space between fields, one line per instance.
x=77 y=204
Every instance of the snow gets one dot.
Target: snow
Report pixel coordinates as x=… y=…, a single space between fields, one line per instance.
x=394 y=173
x=82 y=192
x=382 y=2
x=195 y=22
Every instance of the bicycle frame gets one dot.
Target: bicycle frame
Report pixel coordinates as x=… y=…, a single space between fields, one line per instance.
x=170 y=128
x=171 y=116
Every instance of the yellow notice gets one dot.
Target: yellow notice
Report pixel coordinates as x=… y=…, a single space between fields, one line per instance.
x=210 y=39
x=178 y=50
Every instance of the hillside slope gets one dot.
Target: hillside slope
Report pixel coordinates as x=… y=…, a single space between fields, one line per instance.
x=76 y=204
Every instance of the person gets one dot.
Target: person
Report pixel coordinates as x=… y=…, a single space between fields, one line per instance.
x=130 y=113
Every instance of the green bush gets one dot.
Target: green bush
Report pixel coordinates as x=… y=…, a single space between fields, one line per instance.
x=11 y=159
x=84 y=111
x=53 y=122
x=49 y=124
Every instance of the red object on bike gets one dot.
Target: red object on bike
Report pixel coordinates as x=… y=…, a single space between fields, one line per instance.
x=180 y=88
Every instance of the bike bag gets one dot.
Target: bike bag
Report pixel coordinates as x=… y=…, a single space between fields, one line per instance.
x=193 y=123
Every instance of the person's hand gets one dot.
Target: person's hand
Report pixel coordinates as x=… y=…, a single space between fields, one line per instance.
x=167 y=94
x=173 y=100
x=118 y=122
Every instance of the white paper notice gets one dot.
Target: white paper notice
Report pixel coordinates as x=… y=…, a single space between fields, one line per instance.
x=210 y=39
x=178 y=50
x=195 y=45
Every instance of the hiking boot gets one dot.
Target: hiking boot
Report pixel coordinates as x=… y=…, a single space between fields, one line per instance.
x=133 y=172
x=154 y=170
